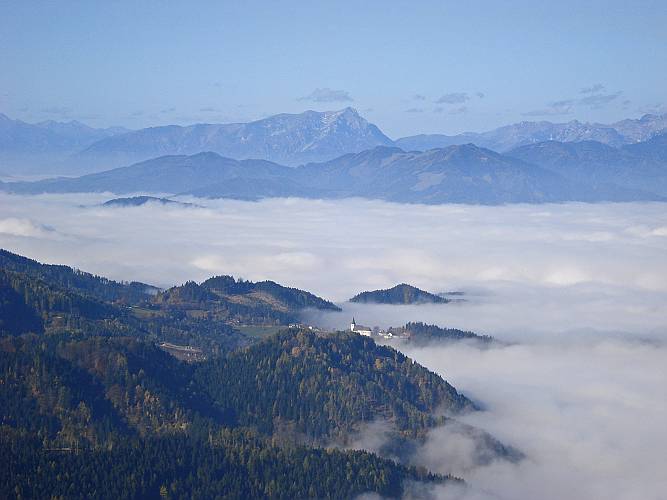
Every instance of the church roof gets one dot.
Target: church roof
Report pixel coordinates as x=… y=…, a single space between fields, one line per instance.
x=361 y=327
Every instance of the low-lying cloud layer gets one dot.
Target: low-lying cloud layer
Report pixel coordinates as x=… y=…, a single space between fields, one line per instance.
x=580 y=289
x=590 y=418
x=339 y=248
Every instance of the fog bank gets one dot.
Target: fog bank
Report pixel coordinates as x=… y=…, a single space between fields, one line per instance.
x=338 y=248
x=590 y=418
x=581 y=291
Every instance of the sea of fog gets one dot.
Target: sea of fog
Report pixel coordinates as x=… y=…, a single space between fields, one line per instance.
x=579 y=291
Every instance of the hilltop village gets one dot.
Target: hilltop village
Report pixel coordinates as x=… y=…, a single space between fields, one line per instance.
x=374 y=332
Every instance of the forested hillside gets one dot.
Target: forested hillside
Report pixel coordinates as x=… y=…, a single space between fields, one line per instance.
x=55 y=298
x=231 y=464
x=419 y=333
x=94 y=417
x=399 y=294
x=321 y=387
x=91 y=405
x=239 y=302
x=76 y=280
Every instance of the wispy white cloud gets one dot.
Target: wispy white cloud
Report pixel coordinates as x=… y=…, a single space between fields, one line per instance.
x=458 y=97
x=458 y=110
x=593 y=99
x=593 y=89
x=327 y=95
x=24 y=227
x=57 y=110
x=597 y=101
x=453 y=98
x=556 y=108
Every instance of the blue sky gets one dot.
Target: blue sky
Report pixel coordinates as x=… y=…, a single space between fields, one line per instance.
x=410 y=67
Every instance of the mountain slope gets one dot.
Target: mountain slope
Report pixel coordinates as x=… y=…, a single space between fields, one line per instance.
x=52 y=299
x=234 y=465
x=654 y=148
x=94 y=417
x=457 y=174
x=290 y=139
x=281 y=296
x=75 y=280
x=641 y=166
x=168 y=174
x=224 y=300
x=324 y=387
x=287 y=377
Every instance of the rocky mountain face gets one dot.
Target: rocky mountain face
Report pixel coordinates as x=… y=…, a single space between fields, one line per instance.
x=290 y=139
x=643 y=128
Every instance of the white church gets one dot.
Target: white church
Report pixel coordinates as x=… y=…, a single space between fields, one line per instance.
x=360 y=329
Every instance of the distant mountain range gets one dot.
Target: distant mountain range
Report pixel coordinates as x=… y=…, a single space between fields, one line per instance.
x=43 y=147
x=520 y=134
x=49 y=136
x=546 y=172
x=289 y=139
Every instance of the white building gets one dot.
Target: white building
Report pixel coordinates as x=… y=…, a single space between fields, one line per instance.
x=360 y=329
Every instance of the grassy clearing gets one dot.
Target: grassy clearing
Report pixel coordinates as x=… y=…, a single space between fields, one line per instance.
x=260 y=331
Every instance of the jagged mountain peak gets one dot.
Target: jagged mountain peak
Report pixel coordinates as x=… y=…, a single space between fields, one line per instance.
x=349 y=114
